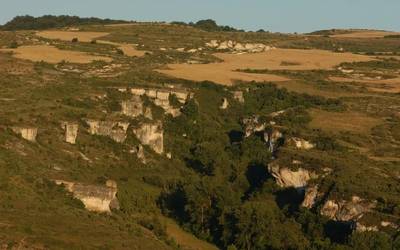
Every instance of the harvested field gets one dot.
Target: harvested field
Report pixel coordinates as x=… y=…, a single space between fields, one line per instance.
x=342 y=121
x=52 y=54
x=128 y=49
x=69 y=35
x=225 y=72
x=366 y=34
x=386 y=85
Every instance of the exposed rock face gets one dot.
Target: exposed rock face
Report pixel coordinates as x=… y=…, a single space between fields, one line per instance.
x=363 y=228
x=28 y=133
x=301 y=143
x=160 y=97
x=114 y=130
x=346 y=210
x=225 y=104
x=310 y=197
x=239 y=47
x=133 y=107
x=71 y=131
x=287 y=178
x=95 y=198
x=273 y=139
x=253 y=125
x=238 y=95
x=152 y=135
x=148 y=114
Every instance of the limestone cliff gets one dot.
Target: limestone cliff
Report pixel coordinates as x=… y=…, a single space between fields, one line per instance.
x=95 y=198
x=287 y=178
x=151 y=134
x=310 y=197
x=71 y=131
x=114 y=130
x=344 y=210
x=28 y=133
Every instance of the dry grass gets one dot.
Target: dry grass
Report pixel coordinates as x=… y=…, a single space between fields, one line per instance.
x=128 y=49
x=52 y=54
x=342 y=121
x=225 y=72
x=366 y=34
x=386 y=85
x=69 y=35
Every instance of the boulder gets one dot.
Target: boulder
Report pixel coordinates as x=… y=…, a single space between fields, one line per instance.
x=28 y=133
x=225 y=104
x=151 y=134
x=96 y=198
x=301 y=143
x=274 y=139
x=238 y=96
x=71 y=131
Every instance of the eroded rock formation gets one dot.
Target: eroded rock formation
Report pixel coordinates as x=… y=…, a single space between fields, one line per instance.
x=238 y=47
x=71 y=131
x=132 y=107
x=301 y=143
x=28 y=133
x=238 y=96
x=95 y=197
x=344 y=210
x=225 y=104
x=152 y=135
x=287 y=178
x=310 y=197
x=114 y=130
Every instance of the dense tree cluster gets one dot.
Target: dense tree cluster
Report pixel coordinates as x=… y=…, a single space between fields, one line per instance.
x=209 y=25
x=49 y=21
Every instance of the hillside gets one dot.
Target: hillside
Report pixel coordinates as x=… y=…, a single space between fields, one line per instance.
x=181 y=136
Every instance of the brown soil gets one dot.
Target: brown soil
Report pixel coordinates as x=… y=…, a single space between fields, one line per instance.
x=52 y=54
x=69 y=35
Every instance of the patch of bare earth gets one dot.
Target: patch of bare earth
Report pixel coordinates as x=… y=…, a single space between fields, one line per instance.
x=342 y=121
x=52 y=54
x=384 y=85
x=366 y=34
x=82 y=36
x=225 y=73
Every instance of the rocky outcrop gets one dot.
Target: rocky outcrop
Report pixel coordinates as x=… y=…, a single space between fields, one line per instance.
x=152 y=135
x=252 y=125
x=161 y=98
x=238 y=96
x=238 y=47
x=300 y=143
x=274 y=139
x=225 y=103
x=71 y=131
x=363 y=228
x=347 y=210
x=114 y=130
x=28 y=133
x=139 y=151
x=310 y=197
x=287 y=178
x=133 y=107
x=95 y=198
